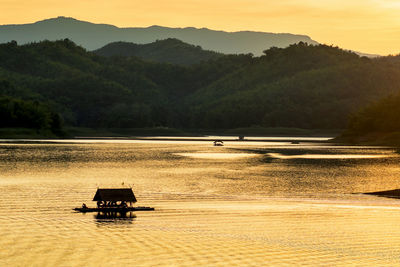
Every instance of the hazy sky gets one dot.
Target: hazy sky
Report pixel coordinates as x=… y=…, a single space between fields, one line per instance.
x=371 y=26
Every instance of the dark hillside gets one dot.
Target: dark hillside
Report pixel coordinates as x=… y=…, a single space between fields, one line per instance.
x=169 y=50
x=377 y=123
x=18 y=113
x=92 y=91
x=302 y=86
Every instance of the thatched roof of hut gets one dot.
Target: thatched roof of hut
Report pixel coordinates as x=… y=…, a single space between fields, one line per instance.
x=115 y=194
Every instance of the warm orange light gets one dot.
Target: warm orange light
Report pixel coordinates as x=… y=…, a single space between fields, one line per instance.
x=371 y=26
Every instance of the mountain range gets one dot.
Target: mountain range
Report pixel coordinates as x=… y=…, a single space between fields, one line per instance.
x=94 y=36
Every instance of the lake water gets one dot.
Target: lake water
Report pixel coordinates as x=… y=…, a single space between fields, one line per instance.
x=258 y=203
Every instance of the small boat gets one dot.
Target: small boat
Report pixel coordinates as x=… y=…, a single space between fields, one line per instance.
x=218 y=143
x=115 y=200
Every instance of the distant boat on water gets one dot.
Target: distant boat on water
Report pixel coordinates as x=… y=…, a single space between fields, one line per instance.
x=218 y=143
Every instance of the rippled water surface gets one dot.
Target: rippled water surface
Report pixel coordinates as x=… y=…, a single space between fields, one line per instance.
x=244 y=204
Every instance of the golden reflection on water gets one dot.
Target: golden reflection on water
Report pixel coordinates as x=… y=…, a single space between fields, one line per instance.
x=206 y=155
x=246 y=211
x=328 y=156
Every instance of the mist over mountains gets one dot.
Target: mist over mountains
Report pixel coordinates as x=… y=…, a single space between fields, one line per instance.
x=94 y=36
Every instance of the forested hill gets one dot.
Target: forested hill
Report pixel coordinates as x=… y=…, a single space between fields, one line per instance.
x=378 y=122
x=169 y=50
x=302 y=86
x=93 y=91
x=380 y=117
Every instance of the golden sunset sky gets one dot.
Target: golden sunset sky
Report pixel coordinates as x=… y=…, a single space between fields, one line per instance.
x=371 y=26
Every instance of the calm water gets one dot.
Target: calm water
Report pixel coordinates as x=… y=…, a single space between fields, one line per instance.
x=244 y=204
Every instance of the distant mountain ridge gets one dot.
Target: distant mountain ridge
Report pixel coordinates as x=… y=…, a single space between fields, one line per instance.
x=169 y=50
x=94 y=36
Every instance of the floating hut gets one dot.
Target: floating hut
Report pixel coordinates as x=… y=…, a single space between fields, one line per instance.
x=113 y=200
x=118 y=197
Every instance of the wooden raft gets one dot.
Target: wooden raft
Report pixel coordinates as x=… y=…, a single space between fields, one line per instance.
x=113 y=209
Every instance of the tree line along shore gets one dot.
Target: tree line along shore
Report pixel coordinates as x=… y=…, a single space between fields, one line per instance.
x=52 y=87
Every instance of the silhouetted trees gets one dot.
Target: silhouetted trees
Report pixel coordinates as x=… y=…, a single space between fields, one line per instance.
x=382 y=116
x=170 y=50
x=28 y=114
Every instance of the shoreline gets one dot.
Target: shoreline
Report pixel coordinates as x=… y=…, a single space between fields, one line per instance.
x=391 y=139
x=231 y=139
x=164 y=132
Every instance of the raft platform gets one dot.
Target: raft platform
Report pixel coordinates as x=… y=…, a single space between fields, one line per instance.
x=113 y=209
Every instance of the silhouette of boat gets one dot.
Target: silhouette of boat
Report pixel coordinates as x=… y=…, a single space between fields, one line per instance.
x=115 y=200
x=218 y=143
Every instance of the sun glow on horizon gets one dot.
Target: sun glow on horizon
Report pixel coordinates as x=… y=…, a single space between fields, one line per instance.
x=370 y=26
